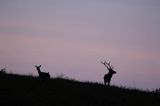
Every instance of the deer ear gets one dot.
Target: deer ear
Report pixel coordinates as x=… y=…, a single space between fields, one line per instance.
x=40 y=66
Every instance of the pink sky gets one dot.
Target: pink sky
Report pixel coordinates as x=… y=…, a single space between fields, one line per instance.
x=73 y=36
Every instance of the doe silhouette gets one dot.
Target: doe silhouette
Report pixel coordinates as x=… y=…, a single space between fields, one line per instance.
x=108 y=76
x=44 y=75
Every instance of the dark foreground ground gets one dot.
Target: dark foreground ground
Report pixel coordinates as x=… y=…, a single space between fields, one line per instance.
x=16 y=90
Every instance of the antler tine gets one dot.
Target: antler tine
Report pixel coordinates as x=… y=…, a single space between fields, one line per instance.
x=103 y=62
x=112 y=66
x=109 y=65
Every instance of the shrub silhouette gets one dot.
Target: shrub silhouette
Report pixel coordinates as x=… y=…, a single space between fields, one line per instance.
x=3 y=71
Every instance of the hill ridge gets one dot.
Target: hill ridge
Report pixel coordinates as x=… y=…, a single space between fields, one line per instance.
x=30 y=91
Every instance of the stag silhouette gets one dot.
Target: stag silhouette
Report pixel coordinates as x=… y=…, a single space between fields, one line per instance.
x=108 y=76
x=44 y=75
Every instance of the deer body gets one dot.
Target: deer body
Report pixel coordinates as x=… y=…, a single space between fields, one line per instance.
x=108 y=76
x=45 y=75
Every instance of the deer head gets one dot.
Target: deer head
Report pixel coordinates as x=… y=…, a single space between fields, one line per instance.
x=38 y=68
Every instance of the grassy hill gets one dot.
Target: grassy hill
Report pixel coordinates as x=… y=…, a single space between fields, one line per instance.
x=31 y=91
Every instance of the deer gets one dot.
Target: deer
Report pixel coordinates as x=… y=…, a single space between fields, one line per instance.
x=44 y=75
x=108 y=76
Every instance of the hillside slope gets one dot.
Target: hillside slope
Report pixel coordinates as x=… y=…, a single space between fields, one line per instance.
x=31 y=91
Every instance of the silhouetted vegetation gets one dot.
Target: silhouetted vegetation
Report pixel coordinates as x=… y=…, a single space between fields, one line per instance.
x=32 y=91
x=3 y=71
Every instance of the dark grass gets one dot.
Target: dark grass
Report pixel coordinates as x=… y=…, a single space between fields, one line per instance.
x=19 y=90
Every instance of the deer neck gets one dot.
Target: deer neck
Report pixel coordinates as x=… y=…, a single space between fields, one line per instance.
x=39 y=71
x=110 y=73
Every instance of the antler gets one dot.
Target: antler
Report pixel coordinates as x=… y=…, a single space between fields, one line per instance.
x=107 y=64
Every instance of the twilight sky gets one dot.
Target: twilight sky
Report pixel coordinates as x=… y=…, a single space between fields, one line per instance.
x=73 y=36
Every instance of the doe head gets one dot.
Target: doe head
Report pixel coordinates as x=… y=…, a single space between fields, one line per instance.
x=38 y=67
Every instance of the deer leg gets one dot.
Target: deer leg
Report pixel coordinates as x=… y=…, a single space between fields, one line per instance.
x=104 y=82
x=109 y=83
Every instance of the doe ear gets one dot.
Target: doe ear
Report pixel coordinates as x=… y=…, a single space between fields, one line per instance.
x=37 y=66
